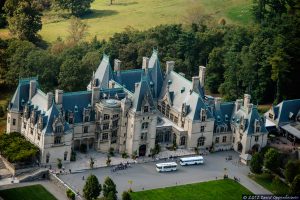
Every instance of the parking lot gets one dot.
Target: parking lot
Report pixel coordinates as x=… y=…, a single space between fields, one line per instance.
x=144 y=176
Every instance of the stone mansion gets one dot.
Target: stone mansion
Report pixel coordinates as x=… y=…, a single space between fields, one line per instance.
x=132 y=110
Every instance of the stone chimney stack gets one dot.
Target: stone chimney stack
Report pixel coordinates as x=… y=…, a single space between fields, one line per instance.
x=247 y=104
x=59 y=96
x=145 y=63
x=111 y=84
x=32 y=88
x=218 y=101
x=202 y=70
x=238 y=104
x=95 y=95
x=195 y=84
x=49 y=100
x=169 y=66
x=117 y=66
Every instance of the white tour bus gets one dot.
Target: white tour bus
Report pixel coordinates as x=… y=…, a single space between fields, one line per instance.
x=166 y=167
x=191 y=160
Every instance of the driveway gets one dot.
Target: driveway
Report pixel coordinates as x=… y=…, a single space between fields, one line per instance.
x=145 y=177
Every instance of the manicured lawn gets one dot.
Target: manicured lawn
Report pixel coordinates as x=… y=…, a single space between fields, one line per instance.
x=265 y=180
x=105 y=19
x=34 y=192
x=220 y=189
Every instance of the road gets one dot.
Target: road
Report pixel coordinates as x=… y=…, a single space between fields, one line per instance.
x=145 y=177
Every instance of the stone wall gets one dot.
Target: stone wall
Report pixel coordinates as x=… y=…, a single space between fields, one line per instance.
x=17 y=171
x=62 y=185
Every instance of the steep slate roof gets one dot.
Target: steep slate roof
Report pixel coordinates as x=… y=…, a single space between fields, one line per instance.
x=103 y=73
x=196 y=103
x=21 y=95
x=128 y=78
x=141 y=93
x=155 y=73
x=284 y=108
x=40 y=100
x=223 y=112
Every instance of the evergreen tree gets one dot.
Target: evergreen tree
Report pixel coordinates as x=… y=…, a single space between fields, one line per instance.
x=256 y=163
x=109 y=188
x=271 y=160
x=92 y=188
x=292 y=169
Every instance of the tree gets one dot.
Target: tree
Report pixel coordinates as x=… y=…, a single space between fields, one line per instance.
x=92 y=162
x=70 y=194
x=295 y=186
x=256 y=163
x=109 y=188
x=92 y=188
x=271 y=160
x=77 y=30
x=292 y=169
x=126 y=196
x=76 y=7
x=24 y=19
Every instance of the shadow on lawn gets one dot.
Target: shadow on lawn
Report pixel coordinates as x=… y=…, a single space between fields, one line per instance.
x=99 y=13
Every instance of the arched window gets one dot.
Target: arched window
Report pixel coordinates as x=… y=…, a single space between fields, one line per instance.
x=182 y=140
x=201 y=141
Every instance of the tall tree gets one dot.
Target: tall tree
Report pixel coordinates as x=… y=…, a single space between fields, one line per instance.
x=109 y=188
x=76 y=7
x=24 y=19
x=292 y=169
x=271 y=160
x=92 y=188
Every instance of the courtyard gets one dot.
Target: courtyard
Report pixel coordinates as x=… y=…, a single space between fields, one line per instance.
x=143 y=176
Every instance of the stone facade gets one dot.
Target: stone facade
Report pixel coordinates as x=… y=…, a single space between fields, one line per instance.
x=131 y=111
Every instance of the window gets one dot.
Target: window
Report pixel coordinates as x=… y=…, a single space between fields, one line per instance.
x=71 y=121
x=39 y=136
x=203 y=116
x=65 y=155
x=106 y=117
x=143 y=136
x=145 y=125
x=159 y=107
x=47 y=158
x=114 y=134
x=58 y=129
x=257 y=129
x=105 y=126
x=224 y=139
x=202 y=129
x=14 y=122
x=115 y=123
x=146 y=109
x=200 y=141
x=115 y=116
x=57 y=140
x=172 y=117
x=24 y=125
x=86 y=118
x=182 y=140
x=217 y=140
x=233 y=140
x=168 y=137
x=271 y=115
x=31 y=131
x=256 y=138
x=176 y=119
x=85 y=129
x=104 y=136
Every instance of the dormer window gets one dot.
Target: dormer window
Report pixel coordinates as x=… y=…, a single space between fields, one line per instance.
x=257 y=126
x=145 y=125
x=59 y=129
x=146 y=109
x=106 y=117
x=86 y=118
x=57 y=140
x=203 y=115
x=271 y=116
x=226 y=118
x=76 y=109
x=86 y=114
x=40 y=124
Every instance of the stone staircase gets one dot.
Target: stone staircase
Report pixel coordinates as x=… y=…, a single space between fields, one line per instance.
x=4 y=173
x=37 y=174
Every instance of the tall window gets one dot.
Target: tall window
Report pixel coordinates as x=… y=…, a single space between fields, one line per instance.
x=104 y=136
x=115 y=123
x=203 y=116
x=86 y=118
x=143 y=136
x=256 y=138
x=257 y=129
x=145 y=125
x=217 y=140
x=146 y=109
x=106 y=117
x=58 y=129
x=85 y=129
x=224 y=139
x=182 y=140
x=47 y=157
x=201 y=141
x=65 y=155
x=39 y=136
x=114 y=133
x=57 y=140
x=14 y=122
x=105 y=126
x=202 y=129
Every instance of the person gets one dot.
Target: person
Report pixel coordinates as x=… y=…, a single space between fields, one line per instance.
x=70 y=171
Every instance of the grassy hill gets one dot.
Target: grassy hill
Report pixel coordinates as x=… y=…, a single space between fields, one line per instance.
x=105 y=19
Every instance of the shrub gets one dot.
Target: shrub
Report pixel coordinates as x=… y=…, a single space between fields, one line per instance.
x=73 y=156
x=256 y=163
x=294 y=190
x=126 y=196
x=59 y=164
x=83 y=148
x=124 y=155
x=292 y=168
x=134 y=155
x=70 y=194
x=111 y=151
x=108 y=160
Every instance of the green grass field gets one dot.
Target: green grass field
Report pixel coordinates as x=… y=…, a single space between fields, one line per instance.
x=105 y=19
x=34 y=192
x=213 y=190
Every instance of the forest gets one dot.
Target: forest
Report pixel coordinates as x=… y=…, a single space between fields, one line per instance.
x=262 y=59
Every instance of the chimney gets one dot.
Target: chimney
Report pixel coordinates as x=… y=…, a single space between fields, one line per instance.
x=95 y=95
x=59 y=96
x=49 y=100
x=145 y=63
x=202 y=70
x=218 y=101
x=238 y=104
x=247 y=104
x=117 y=66
x=169 y=66
x=111 y=84
x=32 y=88
x=195 y=84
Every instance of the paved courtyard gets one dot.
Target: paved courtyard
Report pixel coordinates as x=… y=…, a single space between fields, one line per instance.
x=144 y=176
